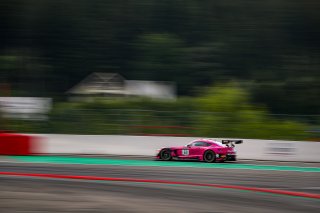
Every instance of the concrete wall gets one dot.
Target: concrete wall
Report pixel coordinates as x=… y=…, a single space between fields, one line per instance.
x=147 y=145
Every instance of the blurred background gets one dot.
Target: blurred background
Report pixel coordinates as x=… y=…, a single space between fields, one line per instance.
x=224 y=68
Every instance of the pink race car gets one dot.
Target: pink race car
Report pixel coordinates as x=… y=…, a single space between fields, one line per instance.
x=207 y=150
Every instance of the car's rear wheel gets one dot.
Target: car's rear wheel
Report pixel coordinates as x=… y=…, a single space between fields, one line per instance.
x=233 y=158
x=209 y=156
x=165 y=154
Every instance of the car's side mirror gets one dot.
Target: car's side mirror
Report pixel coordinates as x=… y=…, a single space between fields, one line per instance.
x=188 y=146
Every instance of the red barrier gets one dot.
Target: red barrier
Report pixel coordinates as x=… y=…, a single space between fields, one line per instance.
x=16 y=144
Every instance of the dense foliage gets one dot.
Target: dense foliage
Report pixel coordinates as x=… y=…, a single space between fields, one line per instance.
x=220 y=112
x=271 y=46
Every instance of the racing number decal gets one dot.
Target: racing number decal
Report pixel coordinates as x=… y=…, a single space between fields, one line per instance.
x=185 y=152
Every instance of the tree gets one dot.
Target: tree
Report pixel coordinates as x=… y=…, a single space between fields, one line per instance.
x=229 y=113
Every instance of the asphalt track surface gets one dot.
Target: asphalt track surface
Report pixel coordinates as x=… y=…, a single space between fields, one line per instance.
x=32 y=194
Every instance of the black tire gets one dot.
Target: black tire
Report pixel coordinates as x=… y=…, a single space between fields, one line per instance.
x=209 y=156
x=165 y=154
x=233 y=158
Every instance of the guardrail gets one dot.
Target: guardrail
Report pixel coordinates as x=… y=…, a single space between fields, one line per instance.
x=147 y=145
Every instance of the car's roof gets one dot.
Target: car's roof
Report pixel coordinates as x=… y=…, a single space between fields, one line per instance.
x=207 y=140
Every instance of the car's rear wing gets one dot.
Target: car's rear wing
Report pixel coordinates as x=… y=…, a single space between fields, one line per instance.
x=231 y=142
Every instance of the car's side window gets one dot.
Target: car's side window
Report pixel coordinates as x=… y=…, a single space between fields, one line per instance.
x=195 y=143
x=199 y=143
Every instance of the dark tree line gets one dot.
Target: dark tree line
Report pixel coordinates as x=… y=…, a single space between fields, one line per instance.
x=271 y=47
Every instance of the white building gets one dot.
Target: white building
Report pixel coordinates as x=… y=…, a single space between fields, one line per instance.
x=114 y=85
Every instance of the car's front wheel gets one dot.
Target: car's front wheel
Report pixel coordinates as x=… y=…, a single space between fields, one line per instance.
x=165 y=154
x=209 y=156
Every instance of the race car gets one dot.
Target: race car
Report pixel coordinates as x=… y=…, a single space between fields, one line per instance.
x=207 y=150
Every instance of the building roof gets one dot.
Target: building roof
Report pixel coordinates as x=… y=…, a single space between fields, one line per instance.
x=114 y=84
x=97 y=82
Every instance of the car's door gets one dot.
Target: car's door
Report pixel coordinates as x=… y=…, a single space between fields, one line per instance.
x=187 y=151
x=196 y=148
